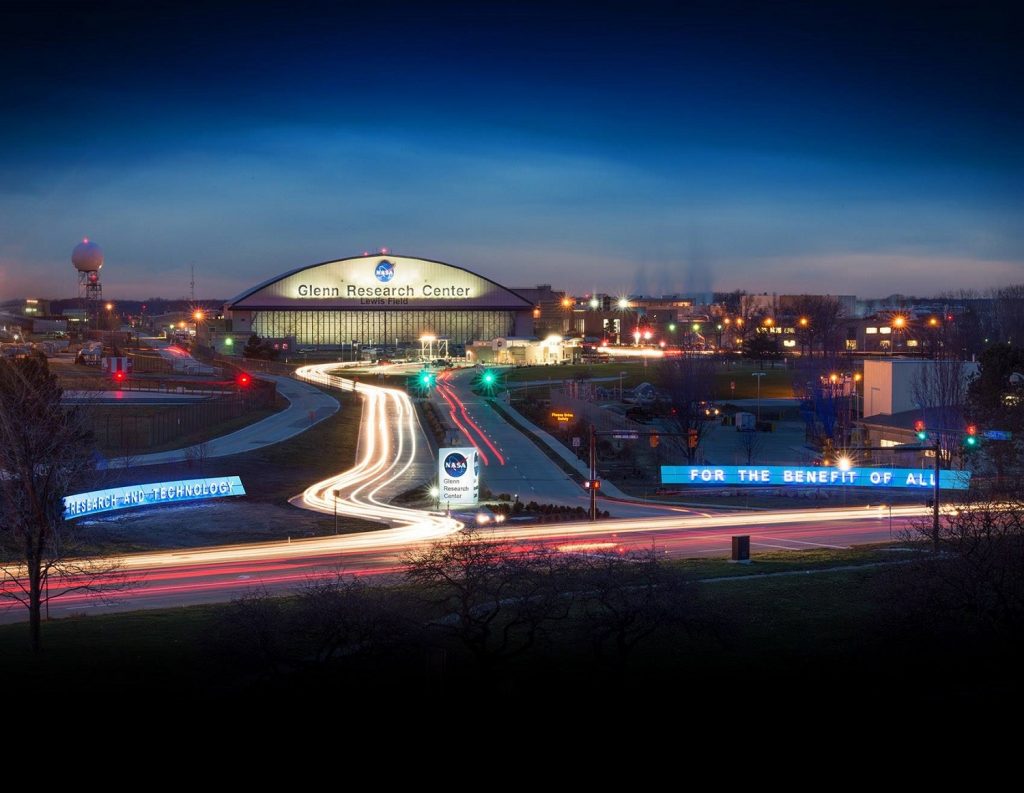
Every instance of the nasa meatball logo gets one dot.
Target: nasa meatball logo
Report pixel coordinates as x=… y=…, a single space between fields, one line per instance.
x=455 y=464
x=385 y=271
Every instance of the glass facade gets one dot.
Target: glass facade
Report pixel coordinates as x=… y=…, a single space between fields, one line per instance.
x=332 y=329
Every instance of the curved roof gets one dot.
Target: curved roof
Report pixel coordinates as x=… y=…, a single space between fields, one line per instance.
x=379 y=281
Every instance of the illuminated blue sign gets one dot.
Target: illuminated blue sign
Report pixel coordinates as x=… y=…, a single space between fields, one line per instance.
x=796 y=476
x=384 y=271
x=149 y=495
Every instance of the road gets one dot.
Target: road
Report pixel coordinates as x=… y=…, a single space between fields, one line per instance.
x=393 y=456
x=175 y=578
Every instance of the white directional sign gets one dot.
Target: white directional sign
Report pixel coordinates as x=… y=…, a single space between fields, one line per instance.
x=458 y=476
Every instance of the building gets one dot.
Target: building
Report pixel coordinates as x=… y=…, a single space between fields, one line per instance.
x=889 y=384
x=379 y=300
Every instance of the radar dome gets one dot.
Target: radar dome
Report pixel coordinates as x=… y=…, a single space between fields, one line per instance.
x=87 y=257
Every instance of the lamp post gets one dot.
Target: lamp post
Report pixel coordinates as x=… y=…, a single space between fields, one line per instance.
x=337 y=495
x=758 y=375
x=621 y=374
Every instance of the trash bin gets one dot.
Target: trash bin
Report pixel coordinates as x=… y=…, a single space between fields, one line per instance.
x=741 y=548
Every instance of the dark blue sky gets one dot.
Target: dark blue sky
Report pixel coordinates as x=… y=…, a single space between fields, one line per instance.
x=655 y=147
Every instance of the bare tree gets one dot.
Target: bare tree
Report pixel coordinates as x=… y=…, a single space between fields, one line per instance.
x=689 y=383
x=494 y=597
x=750 y=443
x=625 y=599
x=980 y=570
x=45 y=454
x=940 y=389
x=822 y=314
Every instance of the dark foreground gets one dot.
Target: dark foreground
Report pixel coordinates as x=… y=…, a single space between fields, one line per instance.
x=833 y=640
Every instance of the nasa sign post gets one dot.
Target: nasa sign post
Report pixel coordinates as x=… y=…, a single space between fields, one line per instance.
x=458 y=476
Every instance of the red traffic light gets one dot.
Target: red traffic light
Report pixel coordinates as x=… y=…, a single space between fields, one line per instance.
x=919 y=425
x=972 y=429
x=119 y=375
x=243 y=379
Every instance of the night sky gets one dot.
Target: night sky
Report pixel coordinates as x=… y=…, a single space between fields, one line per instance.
x=619 y=147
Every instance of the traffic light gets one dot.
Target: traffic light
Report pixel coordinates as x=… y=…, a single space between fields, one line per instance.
x=971 y=440
x=655 y=440
x=119 y=376
x=919 y=428
x=487 y=380
x=422 y=382
x=243 y=379
x=592 y=484
x=692 y=438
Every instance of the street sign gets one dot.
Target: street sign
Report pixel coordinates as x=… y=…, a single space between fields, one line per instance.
x=998 y=435
x=576 y=441
x=625 y=436
x=563 y=416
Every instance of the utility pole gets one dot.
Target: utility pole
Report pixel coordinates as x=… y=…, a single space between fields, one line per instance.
x=935 y=497
x=593 y=474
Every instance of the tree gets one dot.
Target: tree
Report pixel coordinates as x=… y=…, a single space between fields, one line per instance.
x=495 y=598
x=689 y=383
x=750 y=444
x=940 y=389
x=625 y=599
x=761 y=347
x=995 y=399
x=822 y=314
x=45 y=454
x=259 y=348
x=980 y=569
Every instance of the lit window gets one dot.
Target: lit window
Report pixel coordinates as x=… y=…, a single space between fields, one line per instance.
x=871 y=330
x=851 y=344
x=789 y=343
x=911 y=342
x=887 y=444
x=884 y=344
x=886 y=329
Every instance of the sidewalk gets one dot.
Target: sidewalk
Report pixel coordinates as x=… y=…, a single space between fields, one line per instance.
x=559 y=448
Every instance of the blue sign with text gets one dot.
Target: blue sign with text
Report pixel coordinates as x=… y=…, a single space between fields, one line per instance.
x=82 y=504
x=812 y=476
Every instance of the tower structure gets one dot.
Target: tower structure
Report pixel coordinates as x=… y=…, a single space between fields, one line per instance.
x=87 y=258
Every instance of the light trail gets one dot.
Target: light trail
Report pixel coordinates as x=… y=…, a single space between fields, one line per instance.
x=387 y=450
x=455 y=403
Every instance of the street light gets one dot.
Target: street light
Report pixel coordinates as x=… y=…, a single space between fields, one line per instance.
x=434 y=493
x=621 y=375
x=337 y=495
x=759 y=375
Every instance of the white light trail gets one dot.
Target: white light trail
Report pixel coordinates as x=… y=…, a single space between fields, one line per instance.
x=387 y=450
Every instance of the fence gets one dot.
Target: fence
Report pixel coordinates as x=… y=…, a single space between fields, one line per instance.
x=128 y=432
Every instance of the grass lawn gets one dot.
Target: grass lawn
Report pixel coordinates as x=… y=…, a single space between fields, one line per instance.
x=776 y=383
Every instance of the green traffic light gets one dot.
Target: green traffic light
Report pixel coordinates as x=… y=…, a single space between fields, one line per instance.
x=426 y=379
x=922 y=436
x=488 y=378
x=971 y=440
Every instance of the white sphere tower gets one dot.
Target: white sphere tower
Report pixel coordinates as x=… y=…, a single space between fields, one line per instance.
x=87 y=258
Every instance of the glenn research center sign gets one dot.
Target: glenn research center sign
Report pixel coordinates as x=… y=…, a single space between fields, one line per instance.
x=458 y=476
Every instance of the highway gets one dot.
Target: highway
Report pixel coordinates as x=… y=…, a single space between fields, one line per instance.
x=186 y=577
